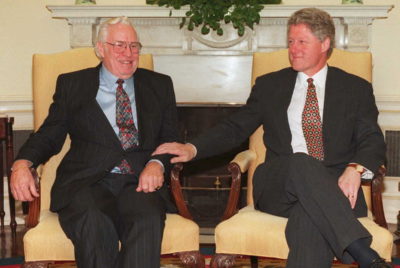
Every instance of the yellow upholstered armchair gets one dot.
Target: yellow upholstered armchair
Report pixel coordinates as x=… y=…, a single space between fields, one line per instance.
x=254 y=233
x=45 y=242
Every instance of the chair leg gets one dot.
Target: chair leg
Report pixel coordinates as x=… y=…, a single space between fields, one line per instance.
x=36 y=264
x=192 y=259
x=222 y=260
x=254 y=261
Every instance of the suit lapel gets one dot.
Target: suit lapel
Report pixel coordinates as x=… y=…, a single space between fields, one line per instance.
x=334 y=107
x=144 y=103
x=283 y=98
x=98 y=118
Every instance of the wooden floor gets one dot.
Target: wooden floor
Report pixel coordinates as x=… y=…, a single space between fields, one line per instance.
x=11 y=246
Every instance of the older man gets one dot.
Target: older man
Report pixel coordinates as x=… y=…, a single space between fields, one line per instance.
x=321 y=134
x=108 y=187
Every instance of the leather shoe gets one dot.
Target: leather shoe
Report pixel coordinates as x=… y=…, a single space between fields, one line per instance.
x=380 y=263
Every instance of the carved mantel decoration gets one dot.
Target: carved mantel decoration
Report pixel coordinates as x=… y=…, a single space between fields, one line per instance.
x=352 y=22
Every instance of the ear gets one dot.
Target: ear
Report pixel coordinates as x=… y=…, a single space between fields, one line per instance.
x=100 y=48
x=325 y=45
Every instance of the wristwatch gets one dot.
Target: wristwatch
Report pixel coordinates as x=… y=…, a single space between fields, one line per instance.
x=359 y=168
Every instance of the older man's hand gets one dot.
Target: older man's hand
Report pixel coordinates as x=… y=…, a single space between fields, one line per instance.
x=23 y=186
x=151 y=178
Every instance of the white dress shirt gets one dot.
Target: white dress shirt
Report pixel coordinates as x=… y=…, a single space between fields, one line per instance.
x=296 y=107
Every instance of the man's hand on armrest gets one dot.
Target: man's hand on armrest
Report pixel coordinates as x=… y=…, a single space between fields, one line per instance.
x=183 y=152
x=23 y=186
x=151 y=178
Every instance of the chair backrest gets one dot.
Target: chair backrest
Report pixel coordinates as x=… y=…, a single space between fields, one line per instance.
x=45 y=70
x=358 y=63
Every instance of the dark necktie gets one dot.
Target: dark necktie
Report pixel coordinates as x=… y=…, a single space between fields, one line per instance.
x=311 y=123
x=128 y=134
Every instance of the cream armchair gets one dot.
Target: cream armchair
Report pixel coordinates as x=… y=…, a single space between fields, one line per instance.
x=45 y=242
x=253 y=233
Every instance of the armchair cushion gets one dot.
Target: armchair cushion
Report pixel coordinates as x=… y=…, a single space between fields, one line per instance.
x=180 y=234
x=248 y=225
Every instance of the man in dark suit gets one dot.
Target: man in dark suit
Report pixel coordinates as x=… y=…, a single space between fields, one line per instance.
x=321 y=134
x=108 y=187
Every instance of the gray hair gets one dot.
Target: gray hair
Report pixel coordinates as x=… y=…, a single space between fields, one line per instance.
x=103 y=29
x=318 y=21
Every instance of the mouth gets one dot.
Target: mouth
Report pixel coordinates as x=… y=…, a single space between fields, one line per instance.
x=126 y=62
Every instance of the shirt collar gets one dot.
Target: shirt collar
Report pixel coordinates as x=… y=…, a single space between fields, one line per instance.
x=110 y=80
x=319 y=77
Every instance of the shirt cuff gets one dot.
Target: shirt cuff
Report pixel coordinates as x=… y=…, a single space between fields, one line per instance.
x=367 y=174
x=158 y=161
x=194 y=149
x=16 y=165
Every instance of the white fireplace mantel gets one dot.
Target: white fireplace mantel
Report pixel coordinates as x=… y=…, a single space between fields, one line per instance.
x=352 y=25
x=205 y=68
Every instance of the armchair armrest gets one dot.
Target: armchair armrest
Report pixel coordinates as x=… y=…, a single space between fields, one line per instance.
x=244 y=159
x=176 y=190
x=240 y=164
x=34 y=206
x=376 y=194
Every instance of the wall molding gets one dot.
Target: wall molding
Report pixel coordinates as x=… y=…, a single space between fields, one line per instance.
x=21 y=108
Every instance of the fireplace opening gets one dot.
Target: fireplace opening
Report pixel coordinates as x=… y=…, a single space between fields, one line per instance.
x=206 y=182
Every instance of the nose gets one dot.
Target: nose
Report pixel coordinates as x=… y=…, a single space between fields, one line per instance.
x=128 y=51
x=293 y=47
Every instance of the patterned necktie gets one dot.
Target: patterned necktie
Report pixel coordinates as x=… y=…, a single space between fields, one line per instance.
x=128 y=134
x=311 y=123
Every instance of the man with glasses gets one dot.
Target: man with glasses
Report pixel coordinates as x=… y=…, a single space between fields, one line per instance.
x=108 y=188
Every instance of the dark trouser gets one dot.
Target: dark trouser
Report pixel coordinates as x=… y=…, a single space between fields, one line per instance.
x=111 y=211
x=321 y=223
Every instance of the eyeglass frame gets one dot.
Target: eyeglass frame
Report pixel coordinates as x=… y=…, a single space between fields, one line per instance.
x=124 y=45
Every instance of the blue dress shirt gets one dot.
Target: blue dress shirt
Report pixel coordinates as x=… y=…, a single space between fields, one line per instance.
x=107 y=100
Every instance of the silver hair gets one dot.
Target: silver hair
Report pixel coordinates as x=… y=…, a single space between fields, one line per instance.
x=103 y=30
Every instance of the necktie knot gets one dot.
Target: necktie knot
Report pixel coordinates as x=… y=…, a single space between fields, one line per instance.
x=310 y=82
x=120 y=82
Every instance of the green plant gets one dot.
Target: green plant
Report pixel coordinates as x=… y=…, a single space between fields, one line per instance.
x=209 y=14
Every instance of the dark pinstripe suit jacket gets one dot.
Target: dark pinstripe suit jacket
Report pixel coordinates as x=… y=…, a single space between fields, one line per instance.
x=350 y=129
x=95 y=148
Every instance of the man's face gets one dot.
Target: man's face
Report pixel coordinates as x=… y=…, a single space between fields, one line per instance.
x=306 y=52
x=122 y=64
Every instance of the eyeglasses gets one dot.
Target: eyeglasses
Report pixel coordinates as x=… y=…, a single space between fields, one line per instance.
x=120 y=46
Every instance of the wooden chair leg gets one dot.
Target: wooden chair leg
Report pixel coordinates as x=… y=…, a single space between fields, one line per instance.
x=254 y=261
x=222 y=260
x=192 y=259
x=36 y=264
